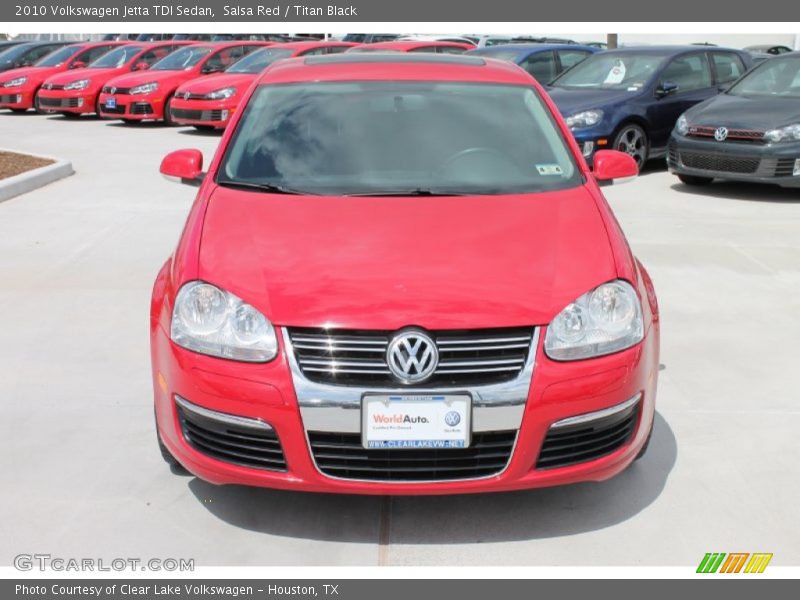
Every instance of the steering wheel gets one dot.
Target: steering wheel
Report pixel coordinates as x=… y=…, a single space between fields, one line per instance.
x=494 y=159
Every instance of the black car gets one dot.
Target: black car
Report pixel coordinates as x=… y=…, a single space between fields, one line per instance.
x=749 y=133
x=769 y=49
x=629 y=99
x=25 y=54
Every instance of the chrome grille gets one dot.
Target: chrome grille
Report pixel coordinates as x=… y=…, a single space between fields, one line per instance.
x=734 y=135
x=358 y=357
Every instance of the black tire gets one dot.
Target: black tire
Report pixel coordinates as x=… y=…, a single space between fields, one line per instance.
x=38 y=107
x=19 y=111
x=168 y=113
x=695 y=180
x=167 y=455
x=643 y=451
x=71 y=116
x=632 y=140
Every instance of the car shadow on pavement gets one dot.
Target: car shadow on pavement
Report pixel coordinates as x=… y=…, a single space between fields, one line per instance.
x=472 y=518
x=735 y=190
x=202 y=132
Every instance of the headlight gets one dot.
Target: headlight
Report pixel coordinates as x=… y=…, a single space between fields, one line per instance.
x=587 y=118
x=212 y=321
x=605 y=320
x=15 y=82
x=221 y=94
x=145 y=88
x=789 y=133
x=81 y=84
x=682 y=126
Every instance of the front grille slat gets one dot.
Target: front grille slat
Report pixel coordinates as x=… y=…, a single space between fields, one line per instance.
x=232 y=443
x=723 y=163
x=358 y=357
x=573 y=444
x=343 y=455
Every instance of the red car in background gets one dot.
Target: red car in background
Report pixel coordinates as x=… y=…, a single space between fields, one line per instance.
x=209 y=102
x=77 y=92
x=400 y=276
x=416 y=46
x=19 y=88
x=147 y=96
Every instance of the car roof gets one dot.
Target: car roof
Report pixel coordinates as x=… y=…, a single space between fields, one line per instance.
x=667 y=50
x=377 y=66
x=530 y=48
x=310 y=45
x=410 y=44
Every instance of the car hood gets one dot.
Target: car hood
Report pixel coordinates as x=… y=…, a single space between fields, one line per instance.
x=142 y=77
x=741 y=112
x=211 y=83
x=438 y=263
x=37 y=74
x=570 y=101
x=78 y=74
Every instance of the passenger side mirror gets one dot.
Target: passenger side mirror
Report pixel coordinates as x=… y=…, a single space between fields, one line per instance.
x=613 y=166
x=665 y=88
x=141 y=66
x=183 y=166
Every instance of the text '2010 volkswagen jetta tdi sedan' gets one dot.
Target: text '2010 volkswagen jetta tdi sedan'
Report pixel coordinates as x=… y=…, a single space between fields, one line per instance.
x=400 y=277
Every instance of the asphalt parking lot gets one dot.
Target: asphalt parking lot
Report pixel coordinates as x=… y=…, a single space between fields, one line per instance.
x=82 y=476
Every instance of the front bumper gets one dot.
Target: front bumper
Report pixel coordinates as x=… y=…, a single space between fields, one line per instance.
x=269 y=394
x=20 y=98
x=208 y=113
x=777 y=164
x=144 y=107
x=73 y=101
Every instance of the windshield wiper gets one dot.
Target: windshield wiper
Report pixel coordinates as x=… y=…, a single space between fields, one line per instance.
x=269 y=188
x=410 y=192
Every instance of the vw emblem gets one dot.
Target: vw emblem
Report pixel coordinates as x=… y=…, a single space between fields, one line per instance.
x=452 y=418
x=412 y=357
x=721 y=134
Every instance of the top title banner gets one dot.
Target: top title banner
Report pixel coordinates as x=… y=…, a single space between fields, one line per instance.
x=19 y=11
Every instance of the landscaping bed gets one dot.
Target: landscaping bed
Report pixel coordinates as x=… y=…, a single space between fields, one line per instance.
x=12 y=163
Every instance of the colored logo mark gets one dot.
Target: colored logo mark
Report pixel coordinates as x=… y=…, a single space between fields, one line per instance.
x=735 y=562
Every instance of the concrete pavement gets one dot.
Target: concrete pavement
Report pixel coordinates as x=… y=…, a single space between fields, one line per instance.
x=82 y=476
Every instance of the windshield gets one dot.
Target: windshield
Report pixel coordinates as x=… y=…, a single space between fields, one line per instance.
x=13 y=53
x=59 y=57
x=182 y=60
x=398 y=138
x=116 y=58
x=259 y=60
x=775 y=77
x=611 y=70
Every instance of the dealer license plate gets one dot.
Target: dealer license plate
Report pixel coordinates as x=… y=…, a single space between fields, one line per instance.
x=111 y=103
x=416 y=421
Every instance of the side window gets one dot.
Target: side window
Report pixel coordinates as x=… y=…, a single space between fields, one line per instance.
x=728 y=67
x=92 y=54
x=450 y=50
x=313 y=52
x=36 y=53
x=224 y=58
x=336 y=49
x=688 y=73
x=153 y=56
x=541 y=65
x=427 y=49
x=570 y=58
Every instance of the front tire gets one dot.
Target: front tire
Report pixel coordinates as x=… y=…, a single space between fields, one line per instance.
x=204 y=127
x=694 y=180
x=168 y=113
x=167 y=455
x=632 y=140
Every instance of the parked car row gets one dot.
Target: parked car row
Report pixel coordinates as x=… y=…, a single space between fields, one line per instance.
x=628 y=99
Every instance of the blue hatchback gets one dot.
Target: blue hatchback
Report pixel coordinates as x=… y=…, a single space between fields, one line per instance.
x=544 y=61
x=630 y=98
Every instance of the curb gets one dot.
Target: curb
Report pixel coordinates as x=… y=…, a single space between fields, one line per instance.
x=31 y=180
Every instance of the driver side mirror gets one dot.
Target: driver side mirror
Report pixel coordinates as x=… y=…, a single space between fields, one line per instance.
x=78 y=64
x=208 y=69
x=141 y=66
x=184 y=166
x=613 y=166
x=665 y=88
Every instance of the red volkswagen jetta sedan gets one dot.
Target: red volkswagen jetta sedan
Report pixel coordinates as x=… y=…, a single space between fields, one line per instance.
x=147 y=95
x=77 y=92
x=400 y=277
x=209 y=102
